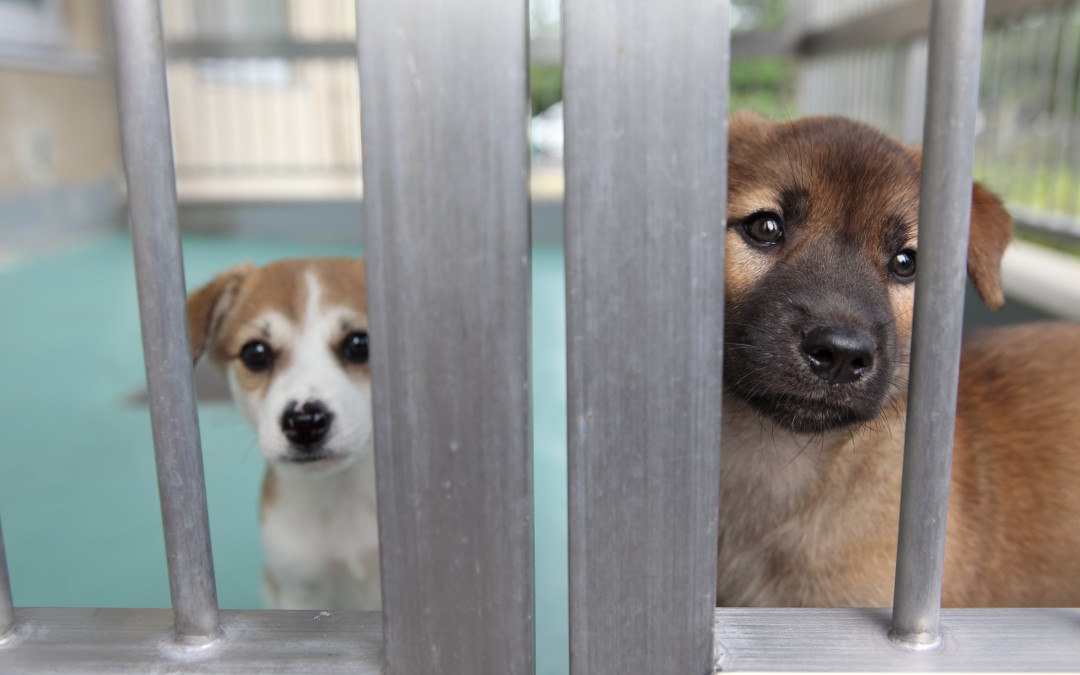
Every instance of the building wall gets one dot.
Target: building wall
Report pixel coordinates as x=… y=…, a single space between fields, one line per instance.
x=60 y=163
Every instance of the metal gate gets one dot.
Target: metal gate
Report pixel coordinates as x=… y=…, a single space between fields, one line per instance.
x=445 y=164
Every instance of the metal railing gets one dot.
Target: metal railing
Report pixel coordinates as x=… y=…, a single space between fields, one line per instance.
x=452 y=417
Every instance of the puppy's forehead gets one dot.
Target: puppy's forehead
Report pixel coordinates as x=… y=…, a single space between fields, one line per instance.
x=845 y=167
x=284 y=288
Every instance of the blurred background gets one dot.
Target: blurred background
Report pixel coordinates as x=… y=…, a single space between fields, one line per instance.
x=266 y=134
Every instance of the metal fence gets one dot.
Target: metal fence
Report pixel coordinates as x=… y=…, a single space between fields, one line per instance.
x=457 y=563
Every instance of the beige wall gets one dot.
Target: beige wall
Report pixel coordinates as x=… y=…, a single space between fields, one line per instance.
x=58 y=123
x=56 y=130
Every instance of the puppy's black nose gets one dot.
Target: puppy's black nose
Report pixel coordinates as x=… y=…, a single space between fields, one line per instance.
x=838 y=355
x=307 y=424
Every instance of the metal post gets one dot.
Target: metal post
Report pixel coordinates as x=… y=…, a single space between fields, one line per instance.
x=444 y=90
x=944 y=217
x=7 y=608
x=148 y=163
x=646 y=177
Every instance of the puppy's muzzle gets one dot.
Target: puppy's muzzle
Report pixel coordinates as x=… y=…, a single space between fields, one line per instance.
x=306 y=425
x=839 y=355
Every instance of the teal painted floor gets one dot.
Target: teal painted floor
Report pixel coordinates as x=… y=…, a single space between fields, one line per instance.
x=78 y=492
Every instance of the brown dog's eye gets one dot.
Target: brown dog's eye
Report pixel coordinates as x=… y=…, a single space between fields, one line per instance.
x=902 y=265
x=257 y=356
x=764 y=229
x=354 y=348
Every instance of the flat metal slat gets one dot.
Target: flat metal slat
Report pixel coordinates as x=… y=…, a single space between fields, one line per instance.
x=444 y=86
x=645 y=86
x=855 y=640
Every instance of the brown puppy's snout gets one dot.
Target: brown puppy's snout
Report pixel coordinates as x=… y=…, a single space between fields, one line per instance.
x=837 y=354
x=306 y=425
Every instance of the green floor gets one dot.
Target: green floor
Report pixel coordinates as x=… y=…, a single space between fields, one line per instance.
x=78 y=493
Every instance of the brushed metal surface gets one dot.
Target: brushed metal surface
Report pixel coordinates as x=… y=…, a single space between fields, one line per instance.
x=856 y=640
x=159 y=269
x=944 y=221
x=80 y=640
x=645 y=87
x=7 y=615
x=445 y=105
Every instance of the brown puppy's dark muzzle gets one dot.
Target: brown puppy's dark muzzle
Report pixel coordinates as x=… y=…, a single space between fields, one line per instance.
x=837 y=354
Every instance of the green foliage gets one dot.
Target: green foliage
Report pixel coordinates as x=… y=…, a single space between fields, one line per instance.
x=545 y=83
x=763 y=85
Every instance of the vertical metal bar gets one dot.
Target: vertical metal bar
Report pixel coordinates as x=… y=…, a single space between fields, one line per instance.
x=148 y=163
x=1064 y=109
x=7 y=607
x=645 y=88
x=944 y=217
x=990 y=101
x=1039 y=168
x=444 y=86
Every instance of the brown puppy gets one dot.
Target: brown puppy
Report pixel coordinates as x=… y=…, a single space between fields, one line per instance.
x=821 y=241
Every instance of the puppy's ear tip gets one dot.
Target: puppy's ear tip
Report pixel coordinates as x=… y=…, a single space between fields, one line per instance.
x=995 y=300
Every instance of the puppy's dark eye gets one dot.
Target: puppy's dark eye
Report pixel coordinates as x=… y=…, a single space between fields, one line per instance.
x=764 y=228
x=902 y=266
x=257 y=356
x=354 y=348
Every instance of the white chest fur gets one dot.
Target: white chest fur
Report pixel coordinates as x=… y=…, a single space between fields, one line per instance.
x=321 y=539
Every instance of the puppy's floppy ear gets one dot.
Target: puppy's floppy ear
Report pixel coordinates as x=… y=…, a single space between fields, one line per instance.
x=991 y=231
x=208 y=306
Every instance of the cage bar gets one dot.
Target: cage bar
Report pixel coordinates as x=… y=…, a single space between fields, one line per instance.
x=944 y=220
x=444 y=90
x=7 y=608
x=646 y=171
x=148 y=163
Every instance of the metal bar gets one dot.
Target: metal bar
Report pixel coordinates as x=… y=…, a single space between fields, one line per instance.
x=645 y=204
x=1049 y=41
x=1064 y=108
x=85 y=640
x=542 y=50
x=7 y=608
x=444 y=86
x=148 y=163
x=944 y=220
x=837 y=640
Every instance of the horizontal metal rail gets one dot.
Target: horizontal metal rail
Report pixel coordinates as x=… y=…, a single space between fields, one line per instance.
x=779 y=640
x=541 y=50
x=837 y=640
x=83 y=640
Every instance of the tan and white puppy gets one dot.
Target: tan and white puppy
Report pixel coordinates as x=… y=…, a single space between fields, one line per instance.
x=291 y=339
x=821 y=261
